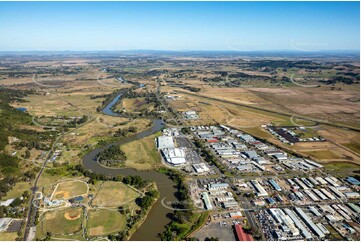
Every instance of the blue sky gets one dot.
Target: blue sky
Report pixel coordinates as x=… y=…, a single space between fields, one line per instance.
x=241 y=26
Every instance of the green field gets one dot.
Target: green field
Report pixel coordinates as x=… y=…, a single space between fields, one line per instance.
x=103 y=222
x=341 y=166
x=17 y=190
x=62 y=222
x=352 y=146
x=70 y=189
x=305 y=134
x=142 y=154
x=8 y=236
x=114 y=194
x=322 y=154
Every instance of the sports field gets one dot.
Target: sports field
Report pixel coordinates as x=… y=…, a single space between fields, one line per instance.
x=70 y=189
x=103 y=222
x=114 y=194
x=62 y=222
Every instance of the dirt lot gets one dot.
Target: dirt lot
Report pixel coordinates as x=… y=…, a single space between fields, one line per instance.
x=223 y=233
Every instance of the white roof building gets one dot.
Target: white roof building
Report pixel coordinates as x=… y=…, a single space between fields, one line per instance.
x=174 y=156
x=164 y=142
x=7 y=203
x=4 y=223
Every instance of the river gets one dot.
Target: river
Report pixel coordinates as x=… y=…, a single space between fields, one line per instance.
x=157 y=217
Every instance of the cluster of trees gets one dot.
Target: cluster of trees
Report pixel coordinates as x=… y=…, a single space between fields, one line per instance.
x=214 y=79
x=274 y=64
x=183 y=213
x=11 y=118
x=81 y=120
x=124 y=132
x=10 y=169
x=192 y=89
x=149 y=97
x=14 y=210
x=147 y=200
x=342 y=79
x=111 y=155
x=135 y=181
x=145 y=203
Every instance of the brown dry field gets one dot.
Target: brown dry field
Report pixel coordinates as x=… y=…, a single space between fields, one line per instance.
x=341 y=106
x=73 y=99
x=250 y=120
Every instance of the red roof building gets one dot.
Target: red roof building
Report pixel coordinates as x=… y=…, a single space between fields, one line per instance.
x=242 y=236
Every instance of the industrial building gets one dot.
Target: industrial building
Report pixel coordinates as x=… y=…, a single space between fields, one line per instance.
x=174 y=156
x=307 y=235
x=200 y=168
x=329 y=195
x=354 y=207
x=320 y=194
x=165 y=142
x=4 y=223
x=261 y=192
x=300 y=183
x=337 y=192
x=352 y=195
x=218 y=186
x=241 y=235
x=275 y=185
x=207 y=201
x=309 y=223
x=321 y=180
x=353 y=181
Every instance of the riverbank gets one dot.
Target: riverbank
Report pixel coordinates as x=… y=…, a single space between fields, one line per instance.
x=143 y=219
x=157 y=217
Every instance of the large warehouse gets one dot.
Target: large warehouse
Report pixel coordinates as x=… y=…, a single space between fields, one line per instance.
x=164 y=142
x=174 y=156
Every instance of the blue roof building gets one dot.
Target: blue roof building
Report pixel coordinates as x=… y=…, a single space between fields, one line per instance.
x=275 y=185
x=353 y=181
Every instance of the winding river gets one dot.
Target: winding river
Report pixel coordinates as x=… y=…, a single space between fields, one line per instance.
x=157 y=217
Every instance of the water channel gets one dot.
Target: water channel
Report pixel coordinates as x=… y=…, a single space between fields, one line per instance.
x=157 y=217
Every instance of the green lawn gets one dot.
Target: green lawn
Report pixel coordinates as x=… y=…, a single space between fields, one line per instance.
x=17 y=190
x=114 y=194
x=341 y=165
x=352 y=146
x=8 y=236
x=103 y=222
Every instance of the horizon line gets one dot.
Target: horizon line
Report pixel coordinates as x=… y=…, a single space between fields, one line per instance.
x=190 y=50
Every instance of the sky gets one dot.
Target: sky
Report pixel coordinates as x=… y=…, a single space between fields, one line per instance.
x=240 y=26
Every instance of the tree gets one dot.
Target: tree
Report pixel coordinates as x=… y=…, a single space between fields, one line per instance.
x=17 y=202
x=27 y=154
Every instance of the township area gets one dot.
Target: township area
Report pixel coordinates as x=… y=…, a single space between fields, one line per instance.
x=179 y=146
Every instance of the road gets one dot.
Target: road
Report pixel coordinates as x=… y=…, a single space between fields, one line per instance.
x=30 y=227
